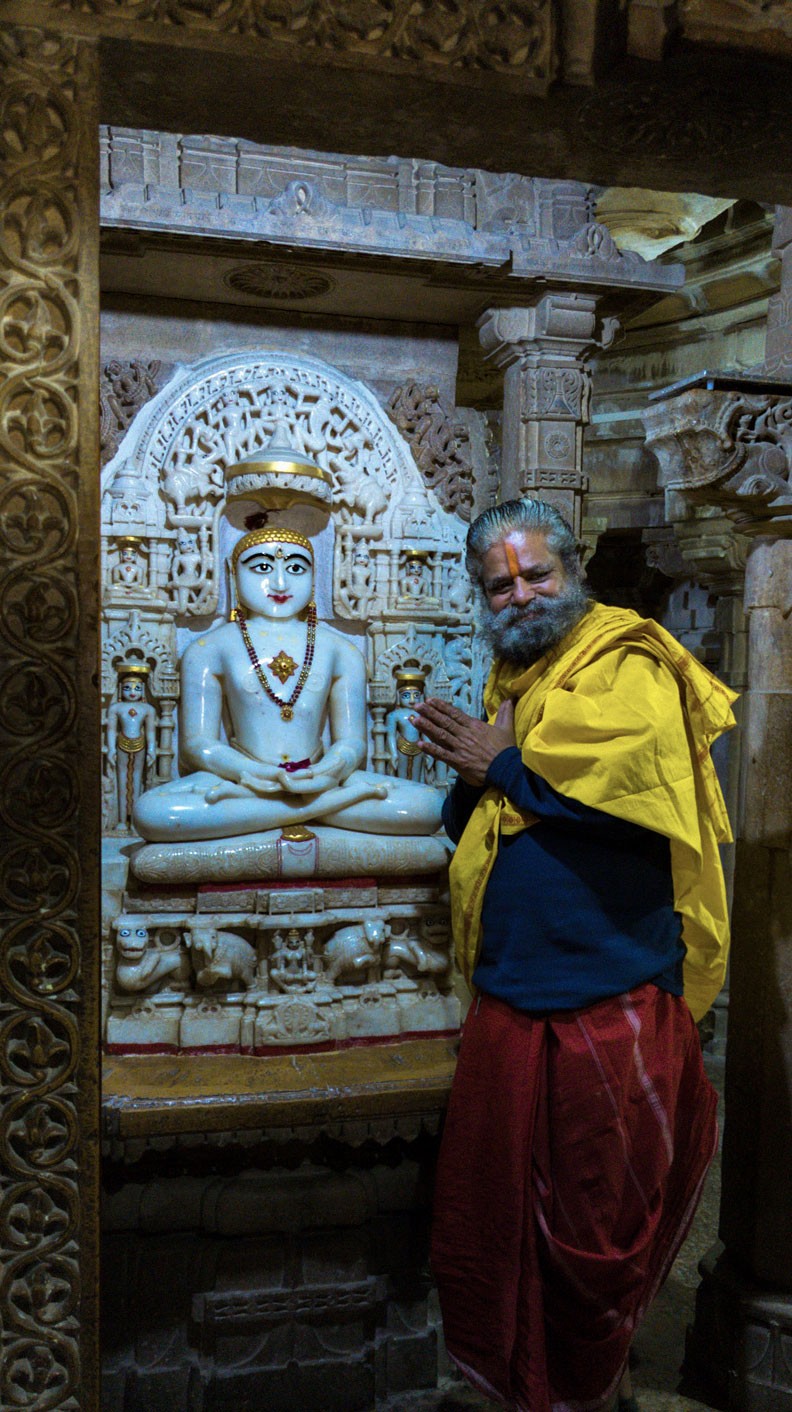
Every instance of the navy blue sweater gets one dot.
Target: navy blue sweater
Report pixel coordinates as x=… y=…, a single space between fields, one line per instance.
x=578 y=907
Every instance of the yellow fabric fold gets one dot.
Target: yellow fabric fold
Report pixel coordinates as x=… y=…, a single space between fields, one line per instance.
x=620 y=717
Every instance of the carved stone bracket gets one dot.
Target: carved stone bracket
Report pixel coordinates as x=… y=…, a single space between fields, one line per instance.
x=727 y=448
x=543 y=350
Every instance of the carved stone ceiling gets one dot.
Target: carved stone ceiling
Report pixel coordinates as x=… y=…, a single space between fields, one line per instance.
x=276 y=282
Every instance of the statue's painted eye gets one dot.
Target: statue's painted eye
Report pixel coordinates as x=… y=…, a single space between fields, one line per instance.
x=297 y=568
x=124 y=931
x=141 y=931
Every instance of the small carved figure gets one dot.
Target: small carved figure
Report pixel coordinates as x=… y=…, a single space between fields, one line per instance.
x=415 y=955
x=413 y=583
x=402 y=737
x=292 y=966
x=131 y=739
x=187 y=568
x=220 y=956
x=360 y=580
x=140 y=965
x=459 y=667
x=361 y=493
x=130 y=571
x=181 y=484
x=354 y=949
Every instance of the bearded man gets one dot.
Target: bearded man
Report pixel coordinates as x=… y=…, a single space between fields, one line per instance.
x=590 y=921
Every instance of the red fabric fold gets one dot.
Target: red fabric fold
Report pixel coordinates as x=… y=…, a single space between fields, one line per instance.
x=573 y=1157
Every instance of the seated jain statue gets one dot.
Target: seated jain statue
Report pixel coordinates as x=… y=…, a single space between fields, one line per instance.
x=277 y=676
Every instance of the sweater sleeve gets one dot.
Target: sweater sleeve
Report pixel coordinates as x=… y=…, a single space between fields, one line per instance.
x=527 y=790
x=459 y=806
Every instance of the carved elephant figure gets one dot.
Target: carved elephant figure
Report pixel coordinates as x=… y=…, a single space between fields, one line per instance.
x=353 y=949
x=220 y=956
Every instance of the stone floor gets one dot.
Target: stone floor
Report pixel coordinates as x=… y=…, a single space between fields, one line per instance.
x=659 y=1382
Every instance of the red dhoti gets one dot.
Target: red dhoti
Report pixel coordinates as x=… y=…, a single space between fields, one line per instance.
x=573 y=1157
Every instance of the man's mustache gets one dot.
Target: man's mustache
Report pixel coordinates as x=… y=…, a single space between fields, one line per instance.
x=515 y=612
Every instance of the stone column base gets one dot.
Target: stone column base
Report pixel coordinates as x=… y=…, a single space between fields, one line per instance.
x=742 y=1337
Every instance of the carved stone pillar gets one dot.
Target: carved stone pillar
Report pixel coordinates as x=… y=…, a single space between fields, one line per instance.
x=726 y=448
x=49 y=795
x=543 y=350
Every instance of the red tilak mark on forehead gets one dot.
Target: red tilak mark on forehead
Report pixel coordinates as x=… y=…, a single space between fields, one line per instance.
x=511 y=559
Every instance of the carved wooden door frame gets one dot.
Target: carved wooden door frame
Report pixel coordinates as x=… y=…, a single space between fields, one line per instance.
x=49 y=798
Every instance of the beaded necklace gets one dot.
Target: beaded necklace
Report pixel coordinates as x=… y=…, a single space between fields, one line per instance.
x=286 y=707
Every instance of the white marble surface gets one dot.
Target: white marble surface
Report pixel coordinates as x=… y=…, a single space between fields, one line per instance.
x=332 y=853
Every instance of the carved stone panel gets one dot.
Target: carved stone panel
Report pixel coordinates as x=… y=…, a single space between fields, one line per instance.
x=48 y=879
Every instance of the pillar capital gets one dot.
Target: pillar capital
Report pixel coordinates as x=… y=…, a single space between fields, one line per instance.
x=559 y=322
x=543 y=349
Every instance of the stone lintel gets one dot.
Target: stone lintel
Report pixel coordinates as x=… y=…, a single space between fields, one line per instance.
x=514 y=229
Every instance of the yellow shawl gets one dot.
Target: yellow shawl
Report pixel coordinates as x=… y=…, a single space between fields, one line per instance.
x=598 y=718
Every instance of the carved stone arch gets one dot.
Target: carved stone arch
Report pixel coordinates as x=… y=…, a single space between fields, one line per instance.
x=169 y=471
x=136 y=641
x=412 y=651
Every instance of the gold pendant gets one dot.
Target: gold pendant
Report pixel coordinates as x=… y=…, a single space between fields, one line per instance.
x=283 y=666
x=286 y=712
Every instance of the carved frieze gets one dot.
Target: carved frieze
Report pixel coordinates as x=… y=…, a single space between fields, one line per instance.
x=389 y=206
x=516 y=40
x=253 y=981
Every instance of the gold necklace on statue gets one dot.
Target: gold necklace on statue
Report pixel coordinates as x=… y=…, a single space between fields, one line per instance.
x=282 y=665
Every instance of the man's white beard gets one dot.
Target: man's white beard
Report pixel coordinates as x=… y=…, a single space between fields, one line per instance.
x=523 y=634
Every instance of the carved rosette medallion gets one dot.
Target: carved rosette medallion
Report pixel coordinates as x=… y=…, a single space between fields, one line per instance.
x=269 y=280
x=48 y=429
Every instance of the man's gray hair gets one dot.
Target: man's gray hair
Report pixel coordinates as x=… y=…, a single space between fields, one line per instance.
x=537 y=516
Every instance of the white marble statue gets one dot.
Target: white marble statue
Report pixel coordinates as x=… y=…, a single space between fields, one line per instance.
x=281 y=678
x=131 y=739
x=402 y=737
